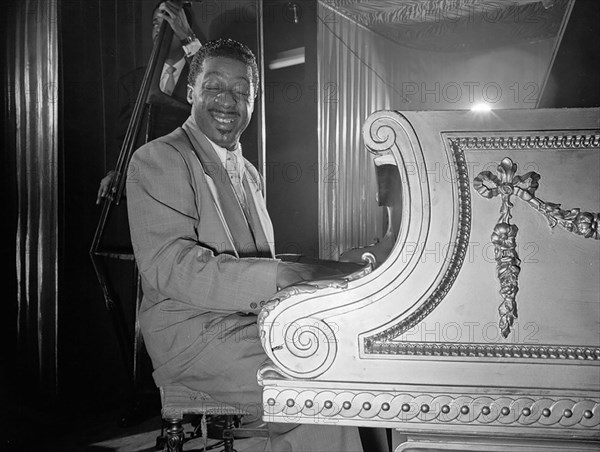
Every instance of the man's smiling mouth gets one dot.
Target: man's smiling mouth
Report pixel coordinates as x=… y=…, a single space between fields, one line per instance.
x=223 y=117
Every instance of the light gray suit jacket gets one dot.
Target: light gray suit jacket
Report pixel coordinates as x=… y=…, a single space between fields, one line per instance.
x=196 y=253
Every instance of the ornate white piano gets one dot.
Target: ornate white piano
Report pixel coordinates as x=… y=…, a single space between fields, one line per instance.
x=477 y=324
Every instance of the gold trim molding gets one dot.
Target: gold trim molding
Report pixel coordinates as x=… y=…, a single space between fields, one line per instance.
x=549 y=142
x=478 y=350
x=448 y=409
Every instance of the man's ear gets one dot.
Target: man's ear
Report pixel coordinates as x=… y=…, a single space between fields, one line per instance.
x=190 y=92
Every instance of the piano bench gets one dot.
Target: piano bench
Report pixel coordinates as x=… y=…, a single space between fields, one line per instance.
x=218 y=420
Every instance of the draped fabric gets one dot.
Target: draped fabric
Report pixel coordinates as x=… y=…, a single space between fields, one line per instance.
x=362 y=71
x=32 y=78
x=456 y=24
x=351 y=89
x=60 y=72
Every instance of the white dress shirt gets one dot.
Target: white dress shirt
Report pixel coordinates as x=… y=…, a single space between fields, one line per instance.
x=240 y=166
x=165 y=75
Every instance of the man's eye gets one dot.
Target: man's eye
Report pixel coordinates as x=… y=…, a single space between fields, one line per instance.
x=212 y=88
x=242 y=93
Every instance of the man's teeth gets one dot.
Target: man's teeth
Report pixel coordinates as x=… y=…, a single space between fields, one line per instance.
x=223 y=118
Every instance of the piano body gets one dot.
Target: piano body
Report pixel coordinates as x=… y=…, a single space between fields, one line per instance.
x=477 y=324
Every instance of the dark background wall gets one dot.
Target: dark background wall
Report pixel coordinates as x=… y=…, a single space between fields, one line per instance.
x=100 y=42
x=574 y=78
x=291 y=128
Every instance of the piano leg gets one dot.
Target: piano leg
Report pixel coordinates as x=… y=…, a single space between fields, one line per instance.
x=375 y=439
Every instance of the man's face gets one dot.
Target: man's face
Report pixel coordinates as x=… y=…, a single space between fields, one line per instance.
x=222 y=100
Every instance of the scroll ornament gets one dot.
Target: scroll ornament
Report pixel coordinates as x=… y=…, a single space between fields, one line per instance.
x=506 y=184
x=307 y=338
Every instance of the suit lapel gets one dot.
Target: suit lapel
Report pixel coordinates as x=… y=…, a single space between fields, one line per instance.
x=225 y=196
x=261 y=223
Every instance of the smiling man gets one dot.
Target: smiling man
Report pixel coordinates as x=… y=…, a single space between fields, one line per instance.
x=222 y=98
x=203 y=243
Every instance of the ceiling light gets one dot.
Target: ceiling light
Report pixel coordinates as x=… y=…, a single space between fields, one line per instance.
x=481 y=107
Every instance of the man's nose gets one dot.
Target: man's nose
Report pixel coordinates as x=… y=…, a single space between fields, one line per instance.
x=226 y=97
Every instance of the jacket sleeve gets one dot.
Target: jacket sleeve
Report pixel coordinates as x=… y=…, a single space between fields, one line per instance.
x=163 y=211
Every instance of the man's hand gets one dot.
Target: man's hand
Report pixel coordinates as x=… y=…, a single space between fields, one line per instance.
x=175 y=16
x=289 y=273
x=105 y=186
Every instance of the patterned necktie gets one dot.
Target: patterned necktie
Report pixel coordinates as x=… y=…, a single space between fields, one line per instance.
x=235 y=178
x=170 y=82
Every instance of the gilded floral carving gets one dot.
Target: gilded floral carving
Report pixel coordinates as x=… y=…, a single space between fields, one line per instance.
x=506 y=184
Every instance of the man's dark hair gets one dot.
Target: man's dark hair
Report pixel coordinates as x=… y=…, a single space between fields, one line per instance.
x=227 y=48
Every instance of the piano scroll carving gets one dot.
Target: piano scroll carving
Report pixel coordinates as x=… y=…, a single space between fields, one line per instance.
x=310 y=338
x=505 y=185
x=377 y=342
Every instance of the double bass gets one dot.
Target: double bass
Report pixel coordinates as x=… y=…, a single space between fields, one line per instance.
x=150 y=103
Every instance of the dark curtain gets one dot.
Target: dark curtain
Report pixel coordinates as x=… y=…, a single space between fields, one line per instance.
x=100 y=42
x=31 y=155
x=8 y=227
x=62 y=61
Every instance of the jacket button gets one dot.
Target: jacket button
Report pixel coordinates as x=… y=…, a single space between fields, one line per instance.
x=253 y=305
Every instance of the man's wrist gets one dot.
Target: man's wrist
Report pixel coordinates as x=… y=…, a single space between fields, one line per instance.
x=188 y=39
x=190 y=45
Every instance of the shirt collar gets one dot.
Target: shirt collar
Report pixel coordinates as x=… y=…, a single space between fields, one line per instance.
x=178 y=66
x=220 y=150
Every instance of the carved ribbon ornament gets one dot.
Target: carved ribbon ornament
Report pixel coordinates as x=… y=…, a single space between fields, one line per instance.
x=504 y=236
